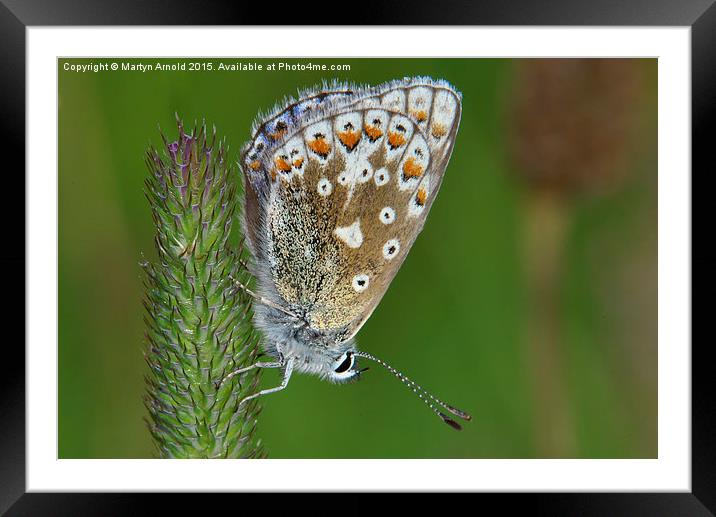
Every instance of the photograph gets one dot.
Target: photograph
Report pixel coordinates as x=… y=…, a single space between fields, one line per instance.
x=357 y=258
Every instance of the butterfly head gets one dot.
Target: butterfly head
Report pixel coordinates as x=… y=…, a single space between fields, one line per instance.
x=345 y=368
x=338 y=366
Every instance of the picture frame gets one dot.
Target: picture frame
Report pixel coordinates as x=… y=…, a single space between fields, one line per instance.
x=700 y=16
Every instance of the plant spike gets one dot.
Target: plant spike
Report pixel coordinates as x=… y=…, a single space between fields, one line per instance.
x=198 y=323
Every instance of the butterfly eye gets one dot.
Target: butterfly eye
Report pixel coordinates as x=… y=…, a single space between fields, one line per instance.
x=346 y=364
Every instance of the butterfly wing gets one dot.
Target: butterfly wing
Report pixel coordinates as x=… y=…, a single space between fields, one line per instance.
x=337 y=206
x=414 y=163
x=267 y=135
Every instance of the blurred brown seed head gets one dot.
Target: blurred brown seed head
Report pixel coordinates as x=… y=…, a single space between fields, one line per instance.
x=574 y=122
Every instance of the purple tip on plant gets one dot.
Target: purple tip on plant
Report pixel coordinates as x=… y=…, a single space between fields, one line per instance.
x=173 y=148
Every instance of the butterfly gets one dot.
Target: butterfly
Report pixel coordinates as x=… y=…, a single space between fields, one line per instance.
x=337 y=186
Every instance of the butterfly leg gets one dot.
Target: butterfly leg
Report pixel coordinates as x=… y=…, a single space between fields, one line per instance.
x=261 y=299
x=275 y=364
x=286 y=377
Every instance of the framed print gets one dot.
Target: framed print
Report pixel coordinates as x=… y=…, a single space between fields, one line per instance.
x=219 y=220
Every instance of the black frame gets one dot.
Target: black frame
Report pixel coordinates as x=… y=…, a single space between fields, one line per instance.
x=16 y=15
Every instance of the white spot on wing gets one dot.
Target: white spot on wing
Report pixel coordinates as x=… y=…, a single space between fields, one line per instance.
x=391 y=249
x=351 y=235
x=394 y=100
x=344 y=178
x=442 y=119
x=381 y=177
x=324 y=187
x=419 y=103
x=365 y=171
x=387 y=215
x=360 y=283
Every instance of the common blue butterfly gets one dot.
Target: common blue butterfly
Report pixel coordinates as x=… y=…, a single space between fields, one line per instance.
x=337 y=186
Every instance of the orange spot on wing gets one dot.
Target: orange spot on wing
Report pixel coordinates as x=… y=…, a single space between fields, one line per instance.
x=412 y=169
x=279 y=130
x=283 y=165
x=373 y=133
x=277 y=134
x=438 y=130
x=421 y=197
x=298 y=162
x=349 y=138
x=320 y=147
x=255 y=165
x=273 y=174
x=420 y=115
x=395 y=140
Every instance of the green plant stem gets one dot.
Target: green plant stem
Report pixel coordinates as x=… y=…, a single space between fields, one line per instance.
x=198 y=322
x=547 y=217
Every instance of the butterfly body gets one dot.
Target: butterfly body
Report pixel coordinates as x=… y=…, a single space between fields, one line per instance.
x=337 y=187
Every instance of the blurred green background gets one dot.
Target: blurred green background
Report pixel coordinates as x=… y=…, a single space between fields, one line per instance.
x=541 y=322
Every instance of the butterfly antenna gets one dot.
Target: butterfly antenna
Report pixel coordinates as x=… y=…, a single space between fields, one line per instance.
x=426 y=397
